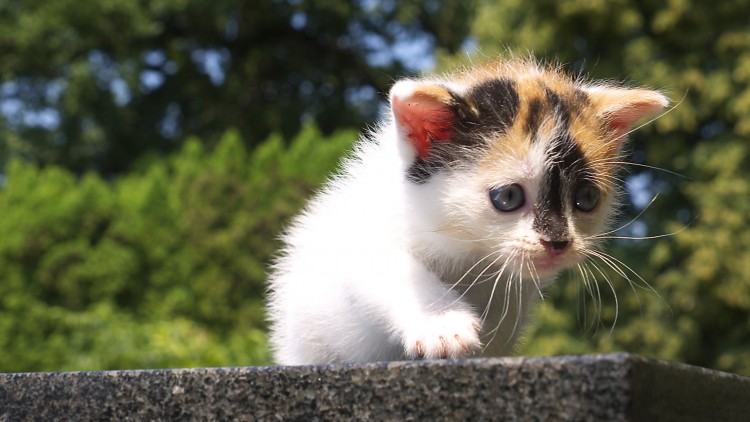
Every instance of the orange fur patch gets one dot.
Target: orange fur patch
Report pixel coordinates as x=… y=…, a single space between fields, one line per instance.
x=585 y=125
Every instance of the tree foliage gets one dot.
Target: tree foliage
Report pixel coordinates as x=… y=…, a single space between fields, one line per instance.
x=164 y=267
x=699 y=53
x=93 y=85
x=107 y=264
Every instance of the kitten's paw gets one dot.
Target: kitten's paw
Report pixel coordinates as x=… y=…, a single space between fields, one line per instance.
x=450 y=335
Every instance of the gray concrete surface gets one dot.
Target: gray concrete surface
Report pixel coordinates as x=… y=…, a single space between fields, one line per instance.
x=589 y=387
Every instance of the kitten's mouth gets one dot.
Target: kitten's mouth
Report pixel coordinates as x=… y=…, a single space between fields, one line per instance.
x=546 y=265
x=555 y=258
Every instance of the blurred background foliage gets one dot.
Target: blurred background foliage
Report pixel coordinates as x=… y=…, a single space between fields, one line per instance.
x=94 y=85
x=162 y=267
x=150 y=152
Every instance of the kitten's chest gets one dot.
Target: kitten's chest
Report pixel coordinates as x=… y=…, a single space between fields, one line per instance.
x=483 y=284
x=502 y=300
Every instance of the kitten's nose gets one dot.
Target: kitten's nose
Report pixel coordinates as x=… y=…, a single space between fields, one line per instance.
x=555 y=247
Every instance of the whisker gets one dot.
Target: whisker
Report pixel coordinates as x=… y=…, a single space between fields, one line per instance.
x=614 y=294
x=506 y=308
x=599 y=303
x=457 y=283
x=581 y=304
x=657 y=236
x=457 y=239
x=519 y=308
x=633 y=220
x=597 y=320
x=507 y=304
x=606 y=259
x=486 y=311
x=506 y=299
x=587 y=283
x=647 y=284
x=473 y=283
x=535 y=277
x=629 y=163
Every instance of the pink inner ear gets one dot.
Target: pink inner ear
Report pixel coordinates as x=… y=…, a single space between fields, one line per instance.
x=620 y=121
x=423 y=119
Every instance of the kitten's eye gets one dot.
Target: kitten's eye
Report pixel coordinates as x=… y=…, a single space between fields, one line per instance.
x=507 y=198
x=587 y=198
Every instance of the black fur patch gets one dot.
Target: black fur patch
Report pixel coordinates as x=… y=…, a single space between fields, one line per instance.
x=563 y=107
x=569 y=168
x=568 y=171
x=488 y=108
x=581 y=99
x=560 y=107
x=496 y=102
x=549 y=217
x=421 y=170
x=533 y=118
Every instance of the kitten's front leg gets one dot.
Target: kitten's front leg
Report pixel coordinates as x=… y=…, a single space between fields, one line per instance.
x=430 y=320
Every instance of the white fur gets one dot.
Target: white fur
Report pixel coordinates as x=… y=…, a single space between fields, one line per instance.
x=368 y=268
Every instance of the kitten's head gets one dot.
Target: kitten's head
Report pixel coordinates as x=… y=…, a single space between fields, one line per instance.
x=514 y=162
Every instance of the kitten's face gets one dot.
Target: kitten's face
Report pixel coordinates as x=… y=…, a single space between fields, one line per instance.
x=538 y=204
x=520 y=164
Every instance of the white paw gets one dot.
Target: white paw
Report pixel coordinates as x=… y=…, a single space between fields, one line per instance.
x=449 y=335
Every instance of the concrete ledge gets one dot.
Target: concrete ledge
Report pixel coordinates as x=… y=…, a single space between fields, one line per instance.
x=591 y=387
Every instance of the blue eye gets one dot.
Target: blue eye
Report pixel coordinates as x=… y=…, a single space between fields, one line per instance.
x=587 y=198
x=507 y=198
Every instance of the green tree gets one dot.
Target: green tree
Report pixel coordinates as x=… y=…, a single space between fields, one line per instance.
x=93 y=85
x=699 y=53
x=163 y=267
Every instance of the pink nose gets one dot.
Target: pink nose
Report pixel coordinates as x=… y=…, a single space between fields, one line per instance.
x=555 y=247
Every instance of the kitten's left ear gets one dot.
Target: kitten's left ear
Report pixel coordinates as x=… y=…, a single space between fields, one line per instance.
x=620 y=108
x=423 y=113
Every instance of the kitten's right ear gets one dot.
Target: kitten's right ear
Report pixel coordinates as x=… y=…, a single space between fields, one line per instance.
x=423 y=113
x=620 y=108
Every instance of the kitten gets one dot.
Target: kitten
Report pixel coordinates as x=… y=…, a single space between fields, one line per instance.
x=447 y=222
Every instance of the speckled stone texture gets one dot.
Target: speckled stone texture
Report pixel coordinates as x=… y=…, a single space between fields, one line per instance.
x=593 y=387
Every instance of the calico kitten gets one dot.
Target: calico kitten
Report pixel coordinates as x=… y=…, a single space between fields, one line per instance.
x=447 y=222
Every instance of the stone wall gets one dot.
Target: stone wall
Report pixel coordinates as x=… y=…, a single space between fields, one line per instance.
x=594 y=387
